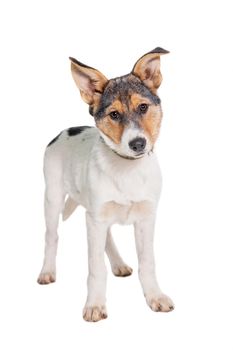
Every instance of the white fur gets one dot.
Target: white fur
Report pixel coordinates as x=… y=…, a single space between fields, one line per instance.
x=113 y=190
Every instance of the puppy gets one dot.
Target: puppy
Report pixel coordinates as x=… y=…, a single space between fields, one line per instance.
x=112 y=171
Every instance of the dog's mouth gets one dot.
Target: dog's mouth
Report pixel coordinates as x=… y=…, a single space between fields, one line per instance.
x=132 y=156
x=136 y=156
x=140 y=155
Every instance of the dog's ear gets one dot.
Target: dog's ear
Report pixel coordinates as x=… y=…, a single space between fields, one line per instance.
x=147 y=68
x=90 y=81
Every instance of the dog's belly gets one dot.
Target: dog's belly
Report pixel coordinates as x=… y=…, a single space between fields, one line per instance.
x=126 y=214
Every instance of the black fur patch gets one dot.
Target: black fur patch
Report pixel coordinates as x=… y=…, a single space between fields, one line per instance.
x=91 y=111
x=77 y=130
x=54 y=140
x=80 y=63
x=158 y=50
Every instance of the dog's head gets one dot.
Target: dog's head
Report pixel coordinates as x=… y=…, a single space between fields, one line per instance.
x=127 y=109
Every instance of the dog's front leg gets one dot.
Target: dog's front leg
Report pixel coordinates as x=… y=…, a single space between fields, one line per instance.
x=95 y=309
x=144 y=234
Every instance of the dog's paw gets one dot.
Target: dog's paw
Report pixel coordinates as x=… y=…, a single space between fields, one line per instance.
x=46 y=278
x=161 y=303
x=94 y=313
x=122 y=271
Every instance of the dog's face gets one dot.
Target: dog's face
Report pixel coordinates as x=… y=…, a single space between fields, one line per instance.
x=127 y=110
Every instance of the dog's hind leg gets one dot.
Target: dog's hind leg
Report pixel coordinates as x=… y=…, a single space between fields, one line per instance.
x=53 y=205
x=119 y=267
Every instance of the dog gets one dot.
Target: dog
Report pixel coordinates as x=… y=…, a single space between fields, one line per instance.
x=112 y=171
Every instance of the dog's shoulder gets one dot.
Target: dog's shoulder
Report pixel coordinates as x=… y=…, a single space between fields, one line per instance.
x=71 y=134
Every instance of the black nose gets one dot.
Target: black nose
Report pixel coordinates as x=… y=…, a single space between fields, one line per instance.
x=138 y=144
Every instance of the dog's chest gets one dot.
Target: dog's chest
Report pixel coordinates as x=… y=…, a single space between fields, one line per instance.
x=132 y=188
x=127 y=187
x=127 y=199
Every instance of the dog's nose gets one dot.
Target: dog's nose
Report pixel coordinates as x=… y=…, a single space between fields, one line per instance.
x=138 y=144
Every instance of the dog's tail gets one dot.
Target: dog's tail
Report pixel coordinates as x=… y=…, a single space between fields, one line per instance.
x=69 y=208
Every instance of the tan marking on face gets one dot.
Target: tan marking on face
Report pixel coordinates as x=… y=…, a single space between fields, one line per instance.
x=136 y=100
x=110 y=128
x=116 y=106
x=151 y=121
x=113 y=129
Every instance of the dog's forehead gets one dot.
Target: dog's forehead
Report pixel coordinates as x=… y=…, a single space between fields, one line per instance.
x=122 y=89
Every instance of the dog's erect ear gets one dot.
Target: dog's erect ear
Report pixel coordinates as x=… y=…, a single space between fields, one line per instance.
x=147 y=68
x=90 y=81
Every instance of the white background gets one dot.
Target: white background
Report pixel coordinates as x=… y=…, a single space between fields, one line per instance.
x=193 y=241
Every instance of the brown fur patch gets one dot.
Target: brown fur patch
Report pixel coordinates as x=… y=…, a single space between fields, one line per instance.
x=112 y=209
x=137 y=99
x=109 y=127
x=113 y=130
x=116 y=106
x=151 y=122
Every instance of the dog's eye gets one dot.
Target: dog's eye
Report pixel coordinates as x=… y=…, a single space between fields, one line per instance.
x=115 y=115
x=143 y=107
